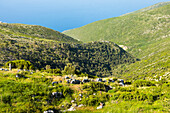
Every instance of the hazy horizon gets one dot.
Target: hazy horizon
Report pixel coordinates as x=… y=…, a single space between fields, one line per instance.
x=63 y=15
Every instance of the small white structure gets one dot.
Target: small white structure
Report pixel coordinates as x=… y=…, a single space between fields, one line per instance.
x=10 y=68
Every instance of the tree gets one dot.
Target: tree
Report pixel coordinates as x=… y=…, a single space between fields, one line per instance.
x=69 y=69
x=48 y=67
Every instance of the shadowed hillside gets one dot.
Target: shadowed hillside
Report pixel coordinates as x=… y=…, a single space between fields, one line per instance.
x=98 y=58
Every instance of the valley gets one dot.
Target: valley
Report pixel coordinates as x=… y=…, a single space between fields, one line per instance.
x=116 y=65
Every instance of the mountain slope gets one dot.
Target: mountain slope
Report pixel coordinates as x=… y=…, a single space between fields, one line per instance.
x=98 y=58
x=34 y=31
x=150 y=7
x=138 y=31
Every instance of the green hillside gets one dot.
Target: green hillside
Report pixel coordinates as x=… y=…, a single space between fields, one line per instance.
x=54 y=73
x=98 y=58
x=156 y=64
x=150 y=7
x=34 y=31
x=139 y=31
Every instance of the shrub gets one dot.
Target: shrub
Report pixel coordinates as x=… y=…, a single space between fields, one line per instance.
x=141 y=83
x=6 y=99
x=20 y=64
x=95 y=86
x=52 y=71
x=94 y=100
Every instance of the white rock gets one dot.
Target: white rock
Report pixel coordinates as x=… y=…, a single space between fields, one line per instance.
x=99 y=107
x=72 y=101
x=49 y=111
x=81 y=105
x=71 y=109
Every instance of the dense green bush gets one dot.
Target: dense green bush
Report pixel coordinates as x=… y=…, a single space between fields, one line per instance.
x=53 y=71
x=98 y=58
x=20 y=64
x=139 y=96
x=141 y=83
x=94 y=100
x=95 y=86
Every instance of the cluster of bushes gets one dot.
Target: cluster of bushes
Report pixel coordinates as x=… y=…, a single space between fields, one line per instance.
x=139 y=96
x=34 y=96
x=94 y=100
x=97 y=58
x=95 y=86
x=141 y=83
x=20 y=64
x=69 y=69
x=53 y=71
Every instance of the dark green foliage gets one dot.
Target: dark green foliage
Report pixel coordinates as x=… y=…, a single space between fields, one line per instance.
x=98 y=58
x=6 y=99
x=95 y=86
x=150 y=94
x=69 y=69
x=53 y=71
x=20 y=64
x=48 y=67
x=137 y=95
x=141 y=83
x=94 y=100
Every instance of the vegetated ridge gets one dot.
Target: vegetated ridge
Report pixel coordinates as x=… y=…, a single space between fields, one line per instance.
x=34 y=31
x=145 y=87
x=144 y=33
x=138 y=31
x=97 y=58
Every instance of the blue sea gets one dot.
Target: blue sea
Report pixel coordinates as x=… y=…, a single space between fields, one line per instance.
x=62 y=15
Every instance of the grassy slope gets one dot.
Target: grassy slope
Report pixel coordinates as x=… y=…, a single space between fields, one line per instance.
x=138 y=31
x=150 y=7
x=145 y=32
x=34 y=31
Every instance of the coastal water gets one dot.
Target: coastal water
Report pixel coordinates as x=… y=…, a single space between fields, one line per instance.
x=66 y=14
